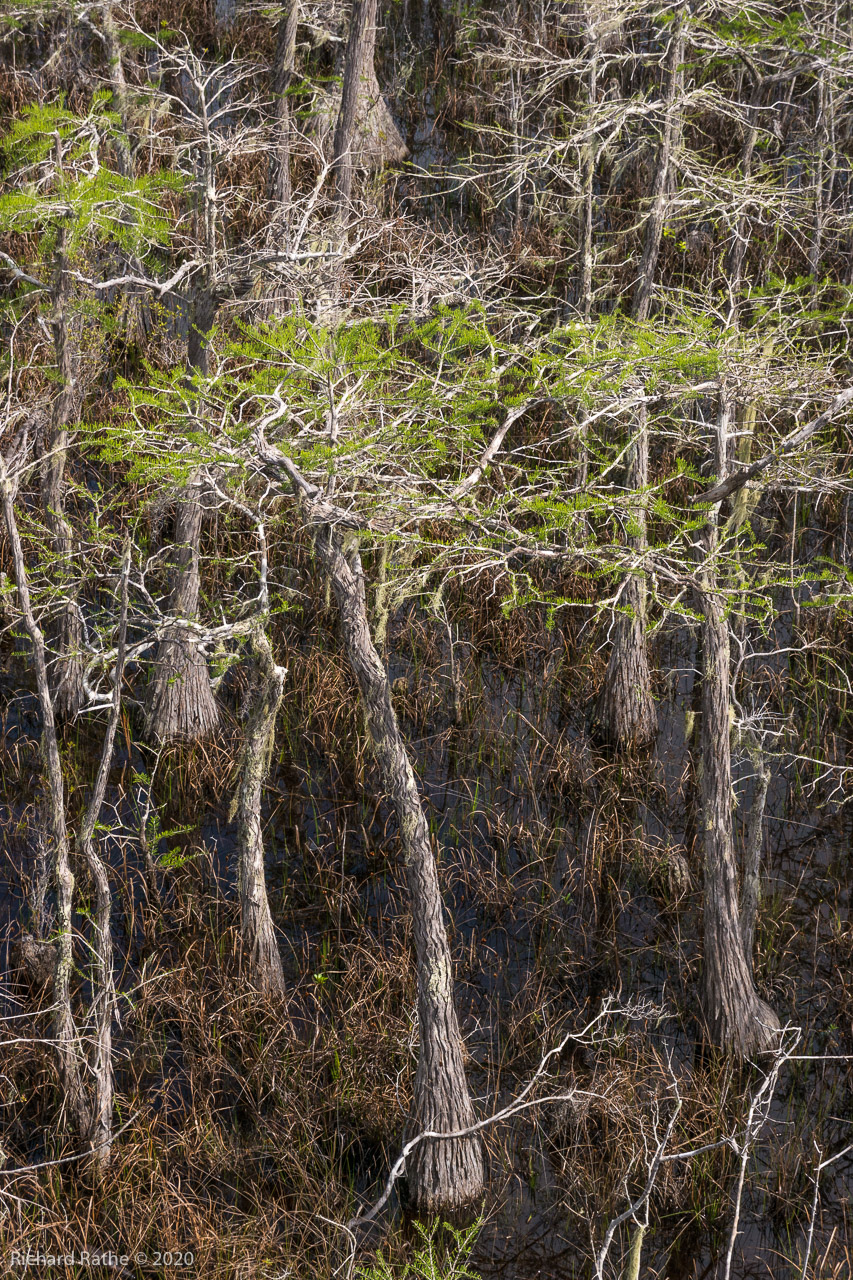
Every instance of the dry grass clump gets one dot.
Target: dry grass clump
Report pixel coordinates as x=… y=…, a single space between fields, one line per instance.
x=600 y=1143
x=248 y=1116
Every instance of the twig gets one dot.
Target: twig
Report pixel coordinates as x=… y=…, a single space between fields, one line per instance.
x=643 y=1199
x=823 y=1164
x=756 y=1117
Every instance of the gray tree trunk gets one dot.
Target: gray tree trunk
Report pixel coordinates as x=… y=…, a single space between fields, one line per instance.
x=278 y=175
x=66 y=633
x=443 y=1176
x=587 y=184
x=750 y=896
x=644 y=290
x=181 y=705
x=118 y=85
x=202 y=320
x=357 y=70
x=822 y=186
x=260 y=948
x=738 y=1020
x=65 y=1033
x=628 y=712
x=103 y=986
x=737 y=254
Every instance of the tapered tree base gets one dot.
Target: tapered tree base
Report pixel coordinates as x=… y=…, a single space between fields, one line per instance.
x=738 y=1020
x=262 y=959
x=376 y=140
x=444 y=1175
x=744 y=1026
x=445 y=1178
x=181 y=705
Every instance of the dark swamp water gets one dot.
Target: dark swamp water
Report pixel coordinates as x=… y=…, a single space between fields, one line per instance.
x=554 y=867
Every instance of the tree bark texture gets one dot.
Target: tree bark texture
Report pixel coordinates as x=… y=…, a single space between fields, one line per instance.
x=278 y=174
x=628 y=712
x=66 y=631
x=358 y=69
x=644 y=290
x=737 y=1019
x=587 y=184
x=118 y=85
x=203 y=311
x=443 y=1176
x=737 y=253
x=629 y=717
x=750 y=896
x=260 y=948
x=103 y=985
x=65 y=1033
x=821 y=185
x=181 y=705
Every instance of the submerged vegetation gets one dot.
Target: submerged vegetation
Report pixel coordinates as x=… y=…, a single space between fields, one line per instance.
x=427 y=569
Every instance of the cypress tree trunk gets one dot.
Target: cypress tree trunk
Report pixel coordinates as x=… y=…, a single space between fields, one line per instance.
x=750 y=898
x=737 y=1019
x=644 y=290
x=820 y=148
x=443 y=1176
x=103 y=986
x=628 y=712
x=202 y=320
x=181 y=705
x=737 y=253
x=66 y=632
x=118 y=85
x=587 y=184
x=279 y=186
x=260 y=948
x=278 y=174
x=65 y=1034
x=358 y=70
